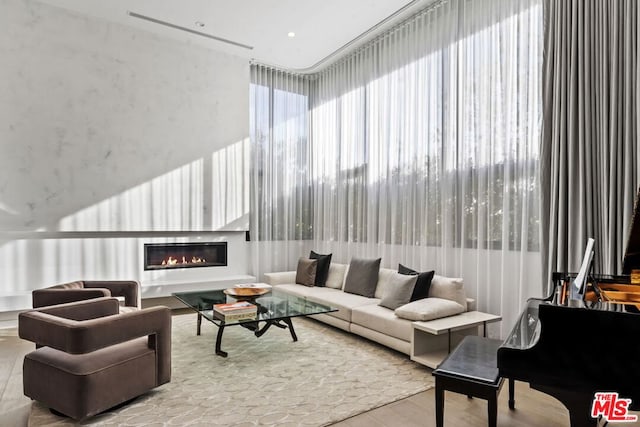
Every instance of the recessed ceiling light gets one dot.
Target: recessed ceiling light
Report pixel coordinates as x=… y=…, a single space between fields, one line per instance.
x=200 y=24
x=291 y=34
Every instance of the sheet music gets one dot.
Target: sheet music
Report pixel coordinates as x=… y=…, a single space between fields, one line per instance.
x=576 y=290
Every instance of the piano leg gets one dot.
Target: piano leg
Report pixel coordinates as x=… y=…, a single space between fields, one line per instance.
x=439 y=405
x=492 y=410
x=512 y=400
x=578 y=404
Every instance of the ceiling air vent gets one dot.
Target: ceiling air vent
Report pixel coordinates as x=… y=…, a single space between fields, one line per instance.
x=188 y=30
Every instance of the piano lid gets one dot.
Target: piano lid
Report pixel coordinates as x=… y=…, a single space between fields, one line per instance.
x=631 y=258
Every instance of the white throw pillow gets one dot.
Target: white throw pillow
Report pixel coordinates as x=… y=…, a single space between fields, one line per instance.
x=448 y=288
x=336 y=276
x=429 y=309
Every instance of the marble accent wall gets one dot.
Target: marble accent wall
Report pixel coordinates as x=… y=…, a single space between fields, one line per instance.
x=111 y=136
x=105 y=126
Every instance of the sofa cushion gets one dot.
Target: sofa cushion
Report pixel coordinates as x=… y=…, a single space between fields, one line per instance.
x=382 y=320
x=335 y=279
x=421 y=290
x=297 y=290
x=322 y=271
x=362 y=277
x=429 y=309
x=343 y=301
x=306 y=271
x=448 y=288
x=305 y=291
x=399 y=292
x=280 y=278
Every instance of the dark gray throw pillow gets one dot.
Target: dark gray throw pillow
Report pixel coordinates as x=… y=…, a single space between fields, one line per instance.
x=362 y=277
x=421 y=290
x=322 y=272
x=306 y=271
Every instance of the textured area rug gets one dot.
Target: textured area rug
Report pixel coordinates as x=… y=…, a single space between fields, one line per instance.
x=327 y=376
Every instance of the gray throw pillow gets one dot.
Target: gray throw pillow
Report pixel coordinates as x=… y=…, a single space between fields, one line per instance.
x=306 y=271
x=399 y=290
x=362 y=277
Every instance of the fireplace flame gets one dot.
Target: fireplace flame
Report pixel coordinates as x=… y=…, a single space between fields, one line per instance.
x=174 y=261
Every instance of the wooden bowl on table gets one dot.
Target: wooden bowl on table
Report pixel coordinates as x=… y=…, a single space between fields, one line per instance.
x=246 y=292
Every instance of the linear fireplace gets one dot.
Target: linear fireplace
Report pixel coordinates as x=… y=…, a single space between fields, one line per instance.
x=160 y=256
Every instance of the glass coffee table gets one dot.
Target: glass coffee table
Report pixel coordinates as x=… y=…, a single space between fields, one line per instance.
x=274 y=309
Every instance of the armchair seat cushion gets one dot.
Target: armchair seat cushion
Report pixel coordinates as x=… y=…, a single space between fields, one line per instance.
x=83 y=385
x=88 y=363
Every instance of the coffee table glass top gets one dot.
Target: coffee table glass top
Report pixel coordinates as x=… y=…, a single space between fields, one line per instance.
x=272 y=306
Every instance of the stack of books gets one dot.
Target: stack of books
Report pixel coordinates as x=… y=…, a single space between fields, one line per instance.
x=235 y=311
x=253 y=285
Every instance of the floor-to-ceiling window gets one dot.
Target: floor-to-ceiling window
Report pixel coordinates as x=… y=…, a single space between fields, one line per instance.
x=423 y=149
x=282 y=206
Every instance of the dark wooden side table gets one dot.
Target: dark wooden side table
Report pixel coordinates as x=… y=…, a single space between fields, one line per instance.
x=471 y=369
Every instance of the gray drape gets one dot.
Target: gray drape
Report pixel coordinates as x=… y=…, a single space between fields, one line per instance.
x=589 y=154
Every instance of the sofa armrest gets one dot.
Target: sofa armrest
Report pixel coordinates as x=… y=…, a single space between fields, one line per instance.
x=128 y=289
x=46 y=297
x=280 y=278
x=471 y=304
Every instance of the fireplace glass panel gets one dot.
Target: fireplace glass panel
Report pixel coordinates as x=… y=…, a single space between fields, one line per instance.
x=160 y=256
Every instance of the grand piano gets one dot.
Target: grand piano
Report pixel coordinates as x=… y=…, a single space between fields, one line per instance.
x=571 y=351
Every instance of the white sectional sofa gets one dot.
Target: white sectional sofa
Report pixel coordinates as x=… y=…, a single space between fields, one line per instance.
x=363 y=316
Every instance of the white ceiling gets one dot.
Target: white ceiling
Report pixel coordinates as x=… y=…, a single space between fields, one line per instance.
x=324 y=28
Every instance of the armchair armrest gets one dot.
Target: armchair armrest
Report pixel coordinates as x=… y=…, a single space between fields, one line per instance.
x=280 y=278
x=31 y=329
x=83 y=310
x=129 y=289
x=46 y=297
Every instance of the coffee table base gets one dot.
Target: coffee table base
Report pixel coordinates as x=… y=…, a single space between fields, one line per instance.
x=252 y=326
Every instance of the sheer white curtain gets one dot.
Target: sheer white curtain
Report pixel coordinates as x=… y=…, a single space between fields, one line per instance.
x=424 y=150
x=281 y=202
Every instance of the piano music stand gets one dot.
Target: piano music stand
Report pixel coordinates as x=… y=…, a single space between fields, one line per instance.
x=472 y=369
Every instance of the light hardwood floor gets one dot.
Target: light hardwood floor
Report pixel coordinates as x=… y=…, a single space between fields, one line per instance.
x=14 y=406
x=533 y=408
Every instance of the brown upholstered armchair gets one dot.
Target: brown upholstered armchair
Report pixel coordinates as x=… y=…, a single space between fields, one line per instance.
x=87 y=289
x=93 y=357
